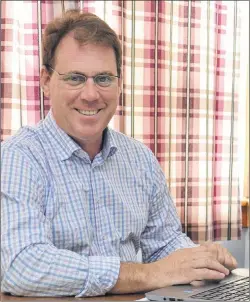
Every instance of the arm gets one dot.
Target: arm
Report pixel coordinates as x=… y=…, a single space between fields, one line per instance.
x=181 y=267
x=31 y=264
x=163 y=233
x=170 y=257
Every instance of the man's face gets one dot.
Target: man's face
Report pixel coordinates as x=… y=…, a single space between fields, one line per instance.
x=82 y=113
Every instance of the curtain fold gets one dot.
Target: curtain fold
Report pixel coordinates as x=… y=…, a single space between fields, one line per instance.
x=180 y=73
x=246 y=171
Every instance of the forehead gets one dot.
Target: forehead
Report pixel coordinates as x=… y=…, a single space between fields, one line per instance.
x=71 y=55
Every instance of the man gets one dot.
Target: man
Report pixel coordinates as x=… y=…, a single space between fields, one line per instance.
x=78 y=199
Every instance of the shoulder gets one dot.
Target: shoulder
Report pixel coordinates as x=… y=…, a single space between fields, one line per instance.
x=23 y=135
x=122 y=140
x=23 y=169
x=26 y=145
x=133 y=151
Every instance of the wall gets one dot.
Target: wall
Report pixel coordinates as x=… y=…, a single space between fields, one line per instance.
x=240 y=248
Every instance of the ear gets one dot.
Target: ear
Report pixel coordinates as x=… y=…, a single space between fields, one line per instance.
x=45 y=81
x=120 y=84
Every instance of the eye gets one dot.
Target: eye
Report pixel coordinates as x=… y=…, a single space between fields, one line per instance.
x=74 y=79
x=103 y=80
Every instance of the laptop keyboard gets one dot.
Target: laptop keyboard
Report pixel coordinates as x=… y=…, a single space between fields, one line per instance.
x=237 y=290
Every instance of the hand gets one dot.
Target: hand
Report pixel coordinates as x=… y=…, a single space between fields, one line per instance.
x=221 y=254
x=209 y=261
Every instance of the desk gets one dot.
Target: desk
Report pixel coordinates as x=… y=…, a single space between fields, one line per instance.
x=132 y=297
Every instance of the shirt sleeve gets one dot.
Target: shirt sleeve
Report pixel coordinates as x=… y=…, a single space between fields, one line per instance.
x=31 y=264
x=163 y=233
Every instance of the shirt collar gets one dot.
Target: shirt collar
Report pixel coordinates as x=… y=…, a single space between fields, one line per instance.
x=65 y=146
x=109 y=146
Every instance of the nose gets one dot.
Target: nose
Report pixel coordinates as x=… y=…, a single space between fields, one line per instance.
x=89 y=92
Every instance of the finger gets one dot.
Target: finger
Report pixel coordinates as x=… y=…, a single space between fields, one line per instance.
x=211 y=264
x=225 y=257
x=207 y=274
x=194 y=276
x=235 y=263
x=229 y=261
x=222 y=254
x=218 y=251
x=198 y=283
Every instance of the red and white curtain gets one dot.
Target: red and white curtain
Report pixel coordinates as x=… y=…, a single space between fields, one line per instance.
x=181 y=63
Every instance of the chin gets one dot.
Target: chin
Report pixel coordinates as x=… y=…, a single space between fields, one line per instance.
x=88 y=135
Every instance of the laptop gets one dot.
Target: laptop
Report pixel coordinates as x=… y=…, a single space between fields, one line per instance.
x=234 y=287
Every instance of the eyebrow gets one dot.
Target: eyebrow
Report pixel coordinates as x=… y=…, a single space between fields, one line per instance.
x=98 y=73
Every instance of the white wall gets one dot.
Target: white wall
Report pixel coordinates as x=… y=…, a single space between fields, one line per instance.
x=240 y=248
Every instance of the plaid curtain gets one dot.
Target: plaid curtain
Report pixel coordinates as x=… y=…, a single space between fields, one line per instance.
x=180 y=93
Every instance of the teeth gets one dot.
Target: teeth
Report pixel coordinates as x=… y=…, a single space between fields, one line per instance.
x=88 y=112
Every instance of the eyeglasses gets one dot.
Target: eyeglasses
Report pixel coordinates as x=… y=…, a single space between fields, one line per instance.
x=77 y=80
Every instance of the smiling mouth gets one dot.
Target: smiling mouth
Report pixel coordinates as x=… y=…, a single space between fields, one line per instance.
x=88 y=112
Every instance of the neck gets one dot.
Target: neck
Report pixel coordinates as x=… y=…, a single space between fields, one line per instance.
x=92 y=147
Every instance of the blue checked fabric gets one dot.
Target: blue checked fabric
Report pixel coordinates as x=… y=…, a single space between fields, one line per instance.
x=67 y=223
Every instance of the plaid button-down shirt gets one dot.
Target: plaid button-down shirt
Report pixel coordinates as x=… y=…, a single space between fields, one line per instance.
x=67 y=222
